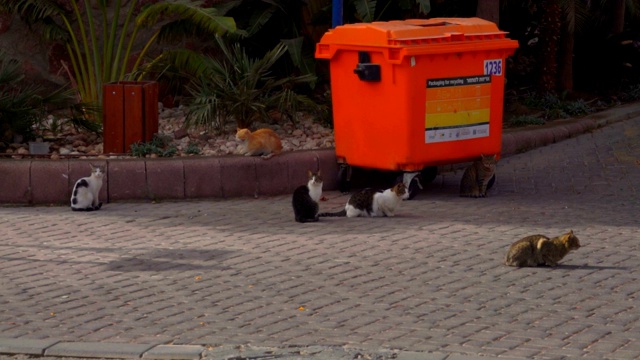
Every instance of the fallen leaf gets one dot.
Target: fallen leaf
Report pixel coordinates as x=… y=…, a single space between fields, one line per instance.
x=301 y=308
x=198 y=278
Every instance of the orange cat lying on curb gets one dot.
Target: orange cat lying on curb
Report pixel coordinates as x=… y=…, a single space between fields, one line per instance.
x=264 y=142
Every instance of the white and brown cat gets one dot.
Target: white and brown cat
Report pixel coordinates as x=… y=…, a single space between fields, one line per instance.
x=262 y=142
x=373 y=203
x=86 y=191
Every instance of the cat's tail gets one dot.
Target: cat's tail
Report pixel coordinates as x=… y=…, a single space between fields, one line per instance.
x=340 y=213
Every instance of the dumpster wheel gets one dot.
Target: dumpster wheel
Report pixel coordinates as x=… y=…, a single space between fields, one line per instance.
x=344 y=178
x=415 y=180
x=412 y=180
x=429 y=174
x=491 y=182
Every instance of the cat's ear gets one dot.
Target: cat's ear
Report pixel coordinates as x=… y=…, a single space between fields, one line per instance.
x=309 y=173
x=319 y=172
x=571 y=232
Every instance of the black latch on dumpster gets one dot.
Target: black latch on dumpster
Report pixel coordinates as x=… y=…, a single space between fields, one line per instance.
x=365 y=70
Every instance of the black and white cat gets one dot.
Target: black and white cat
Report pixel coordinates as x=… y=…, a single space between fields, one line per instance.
x=305 y=199
x=373 y=203
x=86 y=190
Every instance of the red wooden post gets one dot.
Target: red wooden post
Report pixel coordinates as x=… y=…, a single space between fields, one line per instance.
x=151 y=90
x=112 y=118
x=130 y=114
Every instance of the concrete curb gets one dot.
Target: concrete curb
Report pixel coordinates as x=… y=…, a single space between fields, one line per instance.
x=47 y=182
x=53 y=348
x=99 y=350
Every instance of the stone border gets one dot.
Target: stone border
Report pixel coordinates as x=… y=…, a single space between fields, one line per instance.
x=99 y=350
x=55 y=348
x=33 y=181
x=47 y=182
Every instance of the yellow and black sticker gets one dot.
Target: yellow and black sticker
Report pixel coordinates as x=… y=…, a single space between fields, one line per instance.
x=457 y=108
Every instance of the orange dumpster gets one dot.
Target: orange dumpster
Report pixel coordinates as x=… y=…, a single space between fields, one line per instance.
x=416 y=93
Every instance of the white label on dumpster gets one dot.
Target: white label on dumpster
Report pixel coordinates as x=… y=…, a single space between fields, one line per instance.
x=457 y=108
x=493 y=67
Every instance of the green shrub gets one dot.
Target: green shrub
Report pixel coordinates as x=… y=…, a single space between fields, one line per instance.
x=24 y=107
x=192 y=149
x=632 y=93
x=159 y=145
x=235 y=87
x=576 y=108
x=555 y=107
x=525 y=120
x=100 y=42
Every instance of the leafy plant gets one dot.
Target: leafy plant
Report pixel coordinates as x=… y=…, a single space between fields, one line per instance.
x=374 y=10
x=632 y=93
x=159 y=146
x=525 y=120
x=24 y=106
x=141 y=149
x=556 y=108
x=96 y=61
x=237 y=87
x=578 y=107
x=192 y=149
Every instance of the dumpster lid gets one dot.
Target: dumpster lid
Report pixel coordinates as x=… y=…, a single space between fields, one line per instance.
x=414 y=32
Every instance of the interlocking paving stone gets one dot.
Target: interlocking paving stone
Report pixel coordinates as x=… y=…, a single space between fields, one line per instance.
x=236 y=272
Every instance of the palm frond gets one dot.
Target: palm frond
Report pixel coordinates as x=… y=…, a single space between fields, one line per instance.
x=9 y=71
x=365 y=9
x=206 y=20
x=189 y=63
x=32 y=11
x=305 y=61
x=424 y=6
x=243 y=88
x=258 y=20
x=633 y=7
x=226 y=6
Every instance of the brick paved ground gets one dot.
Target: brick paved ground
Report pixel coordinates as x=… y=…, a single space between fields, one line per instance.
x=431 y=279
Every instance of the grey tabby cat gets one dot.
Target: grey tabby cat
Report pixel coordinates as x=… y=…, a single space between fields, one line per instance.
x=476 y=177
x=372 y=203
x=305 y=199
x=86 y=190
x=536 y=250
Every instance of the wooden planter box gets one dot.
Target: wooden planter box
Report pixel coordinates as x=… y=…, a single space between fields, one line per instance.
x=130 y=114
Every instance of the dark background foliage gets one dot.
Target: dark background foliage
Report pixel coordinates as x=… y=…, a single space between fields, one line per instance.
x=574 y=56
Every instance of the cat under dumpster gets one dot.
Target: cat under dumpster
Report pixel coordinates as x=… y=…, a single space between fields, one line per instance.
x=411 y=95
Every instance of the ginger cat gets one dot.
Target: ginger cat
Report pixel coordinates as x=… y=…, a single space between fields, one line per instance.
x=262 y=142
x=538 y=250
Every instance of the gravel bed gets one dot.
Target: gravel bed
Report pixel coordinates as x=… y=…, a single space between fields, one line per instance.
x=305 y=134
